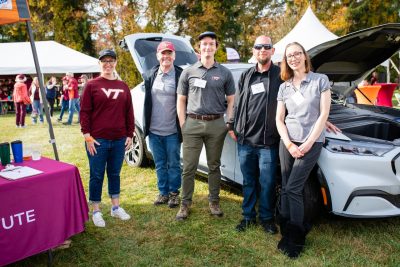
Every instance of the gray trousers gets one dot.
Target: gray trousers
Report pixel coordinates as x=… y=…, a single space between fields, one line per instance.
x=294 y=175
x=195 y=133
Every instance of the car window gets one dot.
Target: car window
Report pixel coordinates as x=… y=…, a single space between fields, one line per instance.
x=236 y=75
x=146 y=49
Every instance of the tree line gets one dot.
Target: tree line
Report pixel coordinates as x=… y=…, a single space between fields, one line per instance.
x=90 y=25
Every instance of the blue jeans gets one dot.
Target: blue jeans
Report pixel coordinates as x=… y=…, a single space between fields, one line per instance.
x=258 y=166
x=72 y=107
x=109 y=156
x=64 y=107
x=166 y=153
x=37 y=109
x=78 y=108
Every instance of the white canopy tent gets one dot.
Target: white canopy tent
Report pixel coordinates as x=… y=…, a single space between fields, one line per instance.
x=309 y=32
x=54 y=58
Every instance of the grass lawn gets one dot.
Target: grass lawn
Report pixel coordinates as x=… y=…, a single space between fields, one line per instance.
x=154 y=238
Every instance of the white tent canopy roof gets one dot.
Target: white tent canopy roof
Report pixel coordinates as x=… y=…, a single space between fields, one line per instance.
x=309 y=32
x=53 y=57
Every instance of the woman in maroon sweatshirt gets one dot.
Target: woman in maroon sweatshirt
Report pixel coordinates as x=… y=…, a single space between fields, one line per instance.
x=107 y=123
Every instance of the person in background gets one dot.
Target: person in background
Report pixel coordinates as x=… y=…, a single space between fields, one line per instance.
x=161 y=124
x=374 y=78
x=10 y=88
x=21 y=98
x=83 y=79
x=73 y=94
x=51 y=89
x=64 y=97
x=36 y=100
x=4 y=97
x=205 y=92
x=3 y=93
x=107 y=124
x=302 y=112
x=10 y=85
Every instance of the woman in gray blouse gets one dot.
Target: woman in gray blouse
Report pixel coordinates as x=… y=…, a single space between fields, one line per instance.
x=306 y=97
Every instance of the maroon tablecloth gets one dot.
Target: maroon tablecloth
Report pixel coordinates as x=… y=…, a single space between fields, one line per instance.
x=40 y=212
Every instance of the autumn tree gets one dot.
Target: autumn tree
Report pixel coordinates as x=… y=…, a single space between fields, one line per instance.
x=64 y=21
x=112 y=20
x=368 y=13
x=232 y=20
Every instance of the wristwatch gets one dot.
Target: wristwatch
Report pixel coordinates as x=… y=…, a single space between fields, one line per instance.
x=229 y=126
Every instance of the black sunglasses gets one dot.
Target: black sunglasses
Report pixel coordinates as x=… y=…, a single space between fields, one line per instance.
x=265 y=46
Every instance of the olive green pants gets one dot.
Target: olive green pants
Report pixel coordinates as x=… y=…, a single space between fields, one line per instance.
x=196 y=133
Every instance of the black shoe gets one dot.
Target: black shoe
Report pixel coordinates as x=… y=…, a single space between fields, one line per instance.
x=297 y=238
x=269 y=226
x=284 y=242
x=245 y=224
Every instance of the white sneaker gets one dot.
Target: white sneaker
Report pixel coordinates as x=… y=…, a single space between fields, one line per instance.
x=98 y=219
x=120 y=213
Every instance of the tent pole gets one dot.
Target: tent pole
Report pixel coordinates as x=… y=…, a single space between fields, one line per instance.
x=42 y=91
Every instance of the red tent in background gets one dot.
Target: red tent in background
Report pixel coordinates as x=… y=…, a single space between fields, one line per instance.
x=12 y=11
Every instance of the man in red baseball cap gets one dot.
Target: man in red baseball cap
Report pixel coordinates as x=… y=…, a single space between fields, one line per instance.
x=161 y=124
x=165 y=46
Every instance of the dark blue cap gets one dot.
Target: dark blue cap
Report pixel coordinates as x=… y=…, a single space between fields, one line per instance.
x=208 y=34
x=107 y=53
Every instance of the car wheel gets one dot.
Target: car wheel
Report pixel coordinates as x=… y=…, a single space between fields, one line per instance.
x=312 y=199
x=135 y=156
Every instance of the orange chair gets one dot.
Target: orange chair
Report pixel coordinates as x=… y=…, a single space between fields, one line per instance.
x=368 y=94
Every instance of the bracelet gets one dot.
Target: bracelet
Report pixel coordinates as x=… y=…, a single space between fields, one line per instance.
x=89 y=139
x=289 y=145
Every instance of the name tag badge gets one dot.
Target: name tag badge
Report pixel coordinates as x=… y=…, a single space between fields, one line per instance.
x=200 y=83
x=297 y=98
x=257 y=88
x=158 y=85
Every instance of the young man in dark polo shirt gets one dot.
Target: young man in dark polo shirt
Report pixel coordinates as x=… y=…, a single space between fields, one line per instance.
x=202 y=91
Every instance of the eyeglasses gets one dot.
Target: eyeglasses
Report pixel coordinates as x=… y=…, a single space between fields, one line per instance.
x=107 y=61
x=265 y=46
x=294 y=55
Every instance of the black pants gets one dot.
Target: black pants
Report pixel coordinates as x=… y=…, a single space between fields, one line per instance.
x=51 y=105
x=294 y=175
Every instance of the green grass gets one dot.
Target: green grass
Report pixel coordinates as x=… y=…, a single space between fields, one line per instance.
x=154 y=238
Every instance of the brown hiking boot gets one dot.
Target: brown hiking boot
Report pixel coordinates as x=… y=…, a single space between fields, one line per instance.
x=173 y=201
x=183 y=212
x=215 y=209
x=160 y=200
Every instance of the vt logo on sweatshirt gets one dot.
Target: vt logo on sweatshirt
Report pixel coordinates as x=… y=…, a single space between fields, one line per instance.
x=109 y=91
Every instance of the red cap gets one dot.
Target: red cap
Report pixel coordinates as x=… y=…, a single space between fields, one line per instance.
x=165 y=46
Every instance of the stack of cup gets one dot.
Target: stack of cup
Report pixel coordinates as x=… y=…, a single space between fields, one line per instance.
x=36 y=152
x=5 y=153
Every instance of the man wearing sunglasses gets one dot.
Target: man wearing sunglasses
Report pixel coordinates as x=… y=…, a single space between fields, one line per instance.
x=253 y=127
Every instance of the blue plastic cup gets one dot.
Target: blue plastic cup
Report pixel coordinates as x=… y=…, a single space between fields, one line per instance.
x=16 y=147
